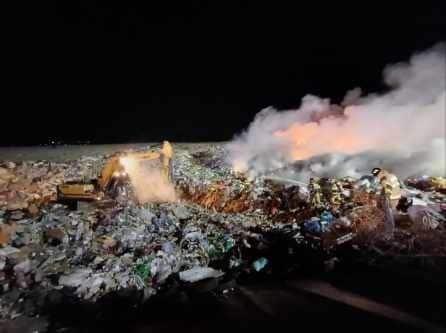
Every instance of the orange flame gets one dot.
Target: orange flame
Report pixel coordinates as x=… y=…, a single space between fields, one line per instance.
x=307 y=140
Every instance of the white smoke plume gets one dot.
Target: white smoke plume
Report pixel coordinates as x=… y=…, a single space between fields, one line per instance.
x=149 y=183
x=402 y=130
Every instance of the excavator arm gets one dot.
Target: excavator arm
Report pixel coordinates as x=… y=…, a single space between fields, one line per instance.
x=112 y=168
x=113 y=171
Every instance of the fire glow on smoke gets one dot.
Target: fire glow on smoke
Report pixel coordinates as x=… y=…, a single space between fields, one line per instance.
x=402 y=130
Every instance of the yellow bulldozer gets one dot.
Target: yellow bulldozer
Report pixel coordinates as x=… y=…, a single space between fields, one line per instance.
x=114 y=174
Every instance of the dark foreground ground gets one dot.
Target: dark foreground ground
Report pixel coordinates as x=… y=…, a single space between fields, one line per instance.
x=354 y=299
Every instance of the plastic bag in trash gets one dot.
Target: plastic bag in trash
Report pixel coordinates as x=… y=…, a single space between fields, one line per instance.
x=199 y=273
x=313 y=225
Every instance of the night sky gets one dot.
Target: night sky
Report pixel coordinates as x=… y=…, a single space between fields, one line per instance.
x=194 y=70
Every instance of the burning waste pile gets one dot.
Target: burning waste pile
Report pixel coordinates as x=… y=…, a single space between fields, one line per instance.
x=297 y=181
x=120 y=242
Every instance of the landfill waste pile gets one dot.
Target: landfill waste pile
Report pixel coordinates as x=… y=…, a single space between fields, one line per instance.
x=224 y=226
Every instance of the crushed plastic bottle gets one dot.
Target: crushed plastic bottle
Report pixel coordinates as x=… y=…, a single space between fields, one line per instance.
x=260 y=264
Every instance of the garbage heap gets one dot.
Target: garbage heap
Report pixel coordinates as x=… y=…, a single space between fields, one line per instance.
x=224 y=226
x=205 y=178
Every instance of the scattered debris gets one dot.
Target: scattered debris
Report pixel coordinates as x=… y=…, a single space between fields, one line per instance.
x=223 y=223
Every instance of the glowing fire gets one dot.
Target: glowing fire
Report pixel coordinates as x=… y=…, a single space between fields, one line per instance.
x=402 y=128
x=330 y=135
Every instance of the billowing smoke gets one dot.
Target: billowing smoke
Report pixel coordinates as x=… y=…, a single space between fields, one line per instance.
x=402 y=130
x=149 y=184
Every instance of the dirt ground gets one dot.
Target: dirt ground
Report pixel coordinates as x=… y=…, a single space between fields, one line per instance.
x=71 y=152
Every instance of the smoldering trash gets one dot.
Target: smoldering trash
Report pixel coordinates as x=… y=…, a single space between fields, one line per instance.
x=222 y=225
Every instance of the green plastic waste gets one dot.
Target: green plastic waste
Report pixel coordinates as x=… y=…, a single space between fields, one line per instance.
x=219 y=244
x=143 y=269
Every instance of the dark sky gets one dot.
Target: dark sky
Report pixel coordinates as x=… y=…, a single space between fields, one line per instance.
x=194 y=70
